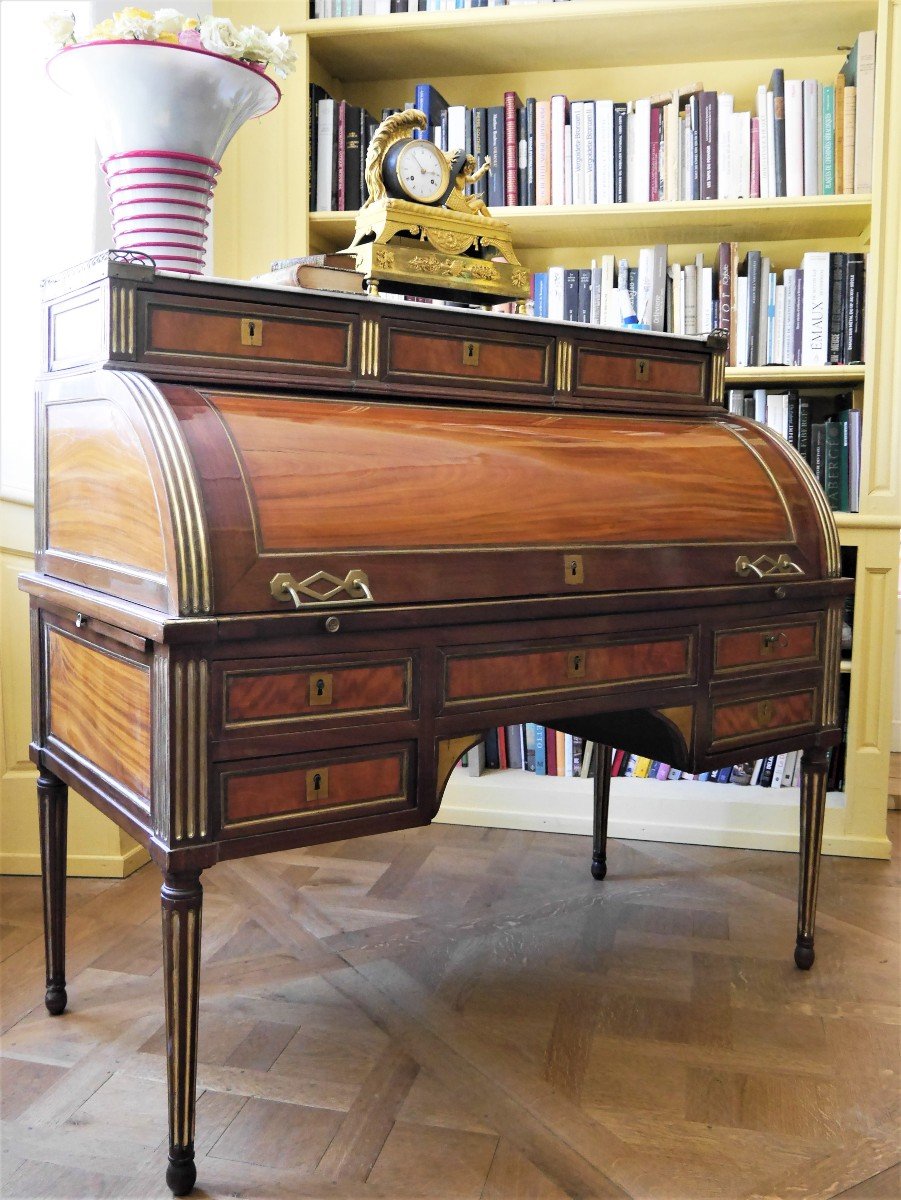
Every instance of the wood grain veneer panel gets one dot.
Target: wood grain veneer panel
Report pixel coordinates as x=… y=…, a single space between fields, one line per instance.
x=444 y=358
x=543 y=670
x=766 y=644
x=762 y=716
x=101 y=499
x=100 y=707
x=283 y=793
x=270 y=695
x=617 y=374
x=181 y=331
x=379 y=476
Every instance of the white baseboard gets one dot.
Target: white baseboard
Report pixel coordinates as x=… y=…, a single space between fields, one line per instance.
x=687 y=812
x=96 y=866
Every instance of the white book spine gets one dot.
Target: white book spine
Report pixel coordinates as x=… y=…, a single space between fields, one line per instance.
x=672 y=146
x=640 y=166
x=763 y=140
x=809 y=103
x=691 y=299
x=609 y=296
x=740 y=317
x=568 y=165
x=577 y=133
x=603 y=154
x=594 y=315
x=555 y=309
x=788 y=324
x=794 y=138
x=815 y=309
x=705 y=302
x=645 y=284
x=568 y=755
x=741 y=155
x=676 y=277
x=725 y=183
x=558 y=150
x=325 y=134
x=456 y=127
x=778 y=354
x=589 y=145
x=771 y=141
x=864 y=115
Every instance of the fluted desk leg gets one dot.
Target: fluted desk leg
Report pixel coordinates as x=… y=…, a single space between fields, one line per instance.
x=601 y=810
x=53 y=807
x=182 y=898
x=814 y=764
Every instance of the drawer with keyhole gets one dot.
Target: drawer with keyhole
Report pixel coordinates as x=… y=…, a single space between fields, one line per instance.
x=308 y=789
x=291 y=693
x=778 y=643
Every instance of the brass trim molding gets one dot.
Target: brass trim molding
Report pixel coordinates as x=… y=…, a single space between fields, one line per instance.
x=369 y=347
x=564 y=377
x=190 y=690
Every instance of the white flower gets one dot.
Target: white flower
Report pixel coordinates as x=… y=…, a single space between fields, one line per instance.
x=220 y=35
x=61 y=27
x=282 y=57
x=134 y=23
x=168 y=20
x=255 y=44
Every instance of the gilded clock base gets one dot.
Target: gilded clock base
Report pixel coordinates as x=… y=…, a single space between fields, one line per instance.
x=448 y=231
x=411 y=268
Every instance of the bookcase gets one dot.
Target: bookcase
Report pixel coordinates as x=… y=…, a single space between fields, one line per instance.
x=630 y=48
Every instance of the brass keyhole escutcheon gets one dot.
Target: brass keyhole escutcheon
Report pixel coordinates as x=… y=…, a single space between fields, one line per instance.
x=573 y=568
x=251 y=331
x=471 y=354
x=764 y=712
x=575 y=664
x=642 y=370
x=317 y=785
x=320 y=689
x=769 y=642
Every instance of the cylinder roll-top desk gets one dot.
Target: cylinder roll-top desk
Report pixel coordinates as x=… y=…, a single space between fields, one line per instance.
x=296 y=552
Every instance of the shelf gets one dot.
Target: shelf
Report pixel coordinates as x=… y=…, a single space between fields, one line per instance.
x=591 y=34
x=674 y=222
x=822 y=376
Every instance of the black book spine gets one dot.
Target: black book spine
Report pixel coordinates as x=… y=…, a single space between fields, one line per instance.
x=804 y=427
x=777 y=87
x=792 y=422
x=620 y=153
x=853 y=339
x=584 y=304
x=479 y=121
x=353 y=154
x=369 y=125
x=530 y=151
x=818 y=452
x=496 y=197
x=571 y=294
x=754 y=268
x=694 y=124
x=838 y=269
x=522 y=148
x=833 y=464
x=492 y=754
x=709 y=148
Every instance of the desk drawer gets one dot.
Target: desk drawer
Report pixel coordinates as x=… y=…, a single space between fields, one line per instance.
x=600 y=374
x=763 y=645
x=491 y=363
x=594 y=665
x=313 y=789
x=248 y=339
x=324 y=691
x=762 y=717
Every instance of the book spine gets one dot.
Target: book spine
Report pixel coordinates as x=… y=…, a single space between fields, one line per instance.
x=512 y=104
x=754 y=182
x=542 y=152
x=620 y=154
x=838 y=264
x=577 y=164
x=570 y=294
x=854 y=308
x=794 y=138
x=589 y=150
x=864 y=114
x=540 y=750
x=479 y=121
x=777 y=87
x=815 y=327
x=827 y=182
x=810 y=102
x=604 y=156
x=725 y=256
x=849 y=124
x=754 y=301
x=531 y=189
x=522 y=149
x=496 y=151
x=833 y=448
x=559 y=107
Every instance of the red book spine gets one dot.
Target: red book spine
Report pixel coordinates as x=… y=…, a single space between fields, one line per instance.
x=616 y=764
x=551 y=751
x=512 y=102
x=755 y=158
x=502 y=747
x=342 y=156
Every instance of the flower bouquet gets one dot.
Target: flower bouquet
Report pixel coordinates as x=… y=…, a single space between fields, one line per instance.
x=165 y=94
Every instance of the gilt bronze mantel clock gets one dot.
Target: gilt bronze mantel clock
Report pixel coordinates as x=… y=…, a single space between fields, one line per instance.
x=420 y=233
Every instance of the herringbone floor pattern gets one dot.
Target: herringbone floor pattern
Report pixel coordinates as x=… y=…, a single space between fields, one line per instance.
x=463 y=1013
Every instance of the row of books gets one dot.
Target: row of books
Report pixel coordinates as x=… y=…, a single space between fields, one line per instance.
x=534 y=748
x=383 y=8
x=824 y=430
x=806 y=138
x=810 y=316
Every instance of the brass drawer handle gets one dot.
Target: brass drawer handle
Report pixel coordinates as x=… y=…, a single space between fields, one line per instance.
x=307 y=593
x=764 y=712
x=766 y=567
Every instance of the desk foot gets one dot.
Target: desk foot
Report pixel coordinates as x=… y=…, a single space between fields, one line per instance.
x=181 y=1173
x=181 y=897
x=598 y=866
x=804 y=954
x=814 y=764
x=53 y=807
x=601 y=810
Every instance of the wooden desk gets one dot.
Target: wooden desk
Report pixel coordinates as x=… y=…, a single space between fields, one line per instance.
x=297 y=552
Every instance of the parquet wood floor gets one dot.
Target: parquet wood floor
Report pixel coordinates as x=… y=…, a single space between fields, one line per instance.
x=456 y=1013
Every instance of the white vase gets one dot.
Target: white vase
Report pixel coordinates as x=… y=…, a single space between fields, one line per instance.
x=162 y=115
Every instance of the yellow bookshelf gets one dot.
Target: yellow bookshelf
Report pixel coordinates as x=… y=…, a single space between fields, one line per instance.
x=630 y=48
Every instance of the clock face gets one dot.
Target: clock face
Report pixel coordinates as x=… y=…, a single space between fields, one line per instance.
x=421 y=171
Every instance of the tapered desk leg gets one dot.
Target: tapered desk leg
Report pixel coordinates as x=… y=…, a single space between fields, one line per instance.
x=601 y=809
x=182 y=898
x=53 y=805
x=814 y=764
